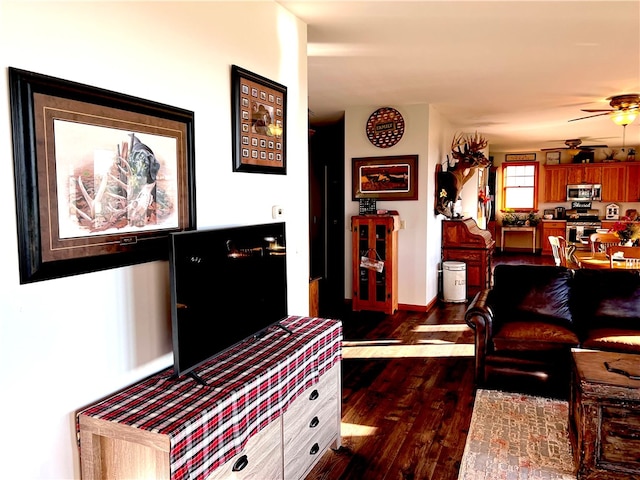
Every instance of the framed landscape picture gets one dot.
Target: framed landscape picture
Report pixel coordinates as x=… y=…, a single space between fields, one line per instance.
x=385 y=178
x=102 y=178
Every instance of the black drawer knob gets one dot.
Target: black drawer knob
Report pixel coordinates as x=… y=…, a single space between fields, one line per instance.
x=314 y=422
x=240 y=464
x=314 y=395
x=315 y=449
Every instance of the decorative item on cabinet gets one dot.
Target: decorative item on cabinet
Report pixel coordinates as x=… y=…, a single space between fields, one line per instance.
x=613 y=211
x=375 y=279
x=367 y=206
x=610 y=155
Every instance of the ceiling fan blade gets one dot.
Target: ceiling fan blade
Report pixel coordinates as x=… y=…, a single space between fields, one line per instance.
x=590 y=116
x=581 y=147
x=597 y=110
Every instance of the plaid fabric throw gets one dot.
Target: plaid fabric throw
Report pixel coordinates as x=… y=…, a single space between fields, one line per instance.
x=248 y=387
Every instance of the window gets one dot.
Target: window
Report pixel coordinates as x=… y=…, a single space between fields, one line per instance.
x=520 y=186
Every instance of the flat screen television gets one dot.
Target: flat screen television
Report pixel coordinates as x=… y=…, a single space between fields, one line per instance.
x=227 y=284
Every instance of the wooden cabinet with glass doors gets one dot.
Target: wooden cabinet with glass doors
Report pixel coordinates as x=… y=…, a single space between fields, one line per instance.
x=375 y=237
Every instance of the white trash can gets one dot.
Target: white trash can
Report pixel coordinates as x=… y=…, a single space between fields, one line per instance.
x=454 y=280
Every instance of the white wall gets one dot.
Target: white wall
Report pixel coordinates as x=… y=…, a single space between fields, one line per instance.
x=65 y=343
x=427 y=135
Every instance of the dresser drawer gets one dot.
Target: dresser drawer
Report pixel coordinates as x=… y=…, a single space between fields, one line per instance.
x=260 y=459
x=551 y=224
x=310 y=424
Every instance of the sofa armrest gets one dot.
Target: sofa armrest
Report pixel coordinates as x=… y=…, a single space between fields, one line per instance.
x=479 y=316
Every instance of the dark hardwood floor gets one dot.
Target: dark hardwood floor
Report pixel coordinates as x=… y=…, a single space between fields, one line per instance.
x=407 y=393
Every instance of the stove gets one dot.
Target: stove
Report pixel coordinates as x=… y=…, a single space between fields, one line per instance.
x=581 y=223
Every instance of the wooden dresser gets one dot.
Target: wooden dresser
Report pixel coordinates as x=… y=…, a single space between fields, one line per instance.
x=270 y=408
x=464 y=241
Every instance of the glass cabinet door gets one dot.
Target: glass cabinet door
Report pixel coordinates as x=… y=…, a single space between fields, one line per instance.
x=363 y=242
x=380 y=243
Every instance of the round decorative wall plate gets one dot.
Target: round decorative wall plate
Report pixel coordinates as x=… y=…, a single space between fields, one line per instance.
x=385 y=127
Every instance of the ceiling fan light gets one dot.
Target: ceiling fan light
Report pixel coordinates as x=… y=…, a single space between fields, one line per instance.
x=573 y=151
x=623 y=117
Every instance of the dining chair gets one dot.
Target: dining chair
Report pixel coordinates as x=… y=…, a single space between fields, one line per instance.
x=600 y=241
x=559 y=249
x=630 y=257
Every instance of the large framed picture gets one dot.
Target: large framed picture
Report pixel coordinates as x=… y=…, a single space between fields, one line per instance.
x=385 y=178
x=259 y=121
x=101 y=178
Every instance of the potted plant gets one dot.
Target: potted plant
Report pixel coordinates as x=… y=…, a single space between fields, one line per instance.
x=517 y=219
x=533 y=219
x=509 y=218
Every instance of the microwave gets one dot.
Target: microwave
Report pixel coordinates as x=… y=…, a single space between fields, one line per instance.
x=584 y=192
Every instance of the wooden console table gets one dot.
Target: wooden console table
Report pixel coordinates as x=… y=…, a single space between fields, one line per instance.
x=532 y=230
x=287 y=385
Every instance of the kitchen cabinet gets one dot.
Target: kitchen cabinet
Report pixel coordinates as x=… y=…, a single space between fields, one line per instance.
x=557 y=228
x=632 y=193
x=376 y=237
x=555 y=183
x=585 y=173
x=613 y=182
x=620 y=180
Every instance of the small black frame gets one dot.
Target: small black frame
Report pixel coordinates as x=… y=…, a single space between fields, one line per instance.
x=259 y=123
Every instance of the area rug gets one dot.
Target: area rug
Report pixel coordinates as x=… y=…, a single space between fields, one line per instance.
x=517 y=437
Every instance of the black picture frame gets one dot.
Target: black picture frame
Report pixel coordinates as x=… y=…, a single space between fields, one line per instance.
x=259 y=123
x=101 y=178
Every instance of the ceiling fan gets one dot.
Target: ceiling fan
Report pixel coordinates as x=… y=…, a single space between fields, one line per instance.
x=575 y=144
x=624 y=104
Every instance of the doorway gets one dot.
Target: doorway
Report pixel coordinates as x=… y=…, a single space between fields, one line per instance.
x=326 y=216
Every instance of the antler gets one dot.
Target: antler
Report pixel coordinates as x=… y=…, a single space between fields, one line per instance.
x=468 y=149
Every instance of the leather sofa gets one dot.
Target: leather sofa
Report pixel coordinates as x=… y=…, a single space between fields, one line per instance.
x=528 y=321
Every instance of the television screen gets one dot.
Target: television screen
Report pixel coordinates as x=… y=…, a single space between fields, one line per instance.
x=227 y=284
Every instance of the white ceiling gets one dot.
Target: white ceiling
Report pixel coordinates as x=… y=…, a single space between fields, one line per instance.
x=515 y=71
